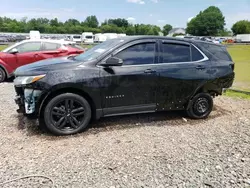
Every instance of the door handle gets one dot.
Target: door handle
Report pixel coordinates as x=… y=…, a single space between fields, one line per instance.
x=200 y=67
x=149 y=71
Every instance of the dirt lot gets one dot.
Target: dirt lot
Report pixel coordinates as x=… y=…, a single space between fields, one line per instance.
x=153 y=150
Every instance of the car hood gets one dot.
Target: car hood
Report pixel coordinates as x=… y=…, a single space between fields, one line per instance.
x=44 y=66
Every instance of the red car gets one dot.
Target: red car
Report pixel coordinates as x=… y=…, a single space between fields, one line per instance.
x=29 y=51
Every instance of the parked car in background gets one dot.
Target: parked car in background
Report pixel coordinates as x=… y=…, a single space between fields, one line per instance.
x=29 y=51
x=3 y=39
x=139 y=74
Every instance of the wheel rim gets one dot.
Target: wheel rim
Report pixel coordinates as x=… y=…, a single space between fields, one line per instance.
x=201 y=106
x=68 y=115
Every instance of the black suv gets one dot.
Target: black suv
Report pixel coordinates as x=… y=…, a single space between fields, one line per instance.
x=138 y=74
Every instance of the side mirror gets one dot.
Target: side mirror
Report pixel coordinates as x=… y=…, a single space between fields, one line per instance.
x=14 y=51
x=112 y=61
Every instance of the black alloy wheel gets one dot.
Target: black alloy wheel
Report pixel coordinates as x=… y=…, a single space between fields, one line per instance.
x=67 y=114
x=200 y=106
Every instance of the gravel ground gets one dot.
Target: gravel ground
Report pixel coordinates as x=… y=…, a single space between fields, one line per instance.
x=153 y=150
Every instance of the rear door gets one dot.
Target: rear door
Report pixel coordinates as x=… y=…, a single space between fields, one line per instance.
x=27 y=52
x=131 y=87
x=182 y=69
x=49 y=50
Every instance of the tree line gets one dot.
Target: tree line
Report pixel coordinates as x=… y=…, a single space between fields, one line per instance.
x=73 y=26
x=209 y=22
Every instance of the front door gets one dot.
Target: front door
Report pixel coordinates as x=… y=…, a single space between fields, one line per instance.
x=130 y=88
x=27 y=52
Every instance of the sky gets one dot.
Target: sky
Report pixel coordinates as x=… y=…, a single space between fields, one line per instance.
x=158 y=12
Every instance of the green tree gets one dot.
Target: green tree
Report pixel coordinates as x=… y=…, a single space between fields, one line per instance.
x=241 y=27
x=130 y=30
x=207 y=23
x=119 y=22
x=166 y=29
x=91 y=21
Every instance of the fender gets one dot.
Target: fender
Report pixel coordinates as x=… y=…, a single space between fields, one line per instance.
x=8 y=69
x=62 y=88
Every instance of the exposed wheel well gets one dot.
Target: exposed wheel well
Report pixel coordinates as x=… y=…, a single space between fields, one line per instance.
x=205 y=89
x=68 y=90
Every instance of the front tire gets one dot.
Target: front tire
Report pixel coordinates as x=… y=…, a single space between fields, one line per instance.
x=200 y=106
x=2 y=75
x=67 y=114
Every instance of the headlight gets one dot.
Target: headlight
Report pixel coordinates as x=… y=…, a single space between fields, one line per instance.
x=23 y=80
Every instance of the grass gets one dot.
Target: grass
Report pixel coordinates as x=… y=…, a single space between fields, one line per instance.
x=236 y=94
x=241 y=57
x=2 y=47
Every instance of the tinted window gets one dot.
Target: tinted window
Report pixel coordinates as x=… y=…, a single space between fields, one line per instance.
x=196 y=55
x=137 y=54
x=29 y=47
x=175 y=53
x=50 y=46
x=219 y=52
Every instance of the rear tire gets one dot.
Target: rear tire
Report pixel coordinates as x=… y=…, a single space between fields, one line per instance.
x=2 y=75
x=200 y=106
x=67 y=114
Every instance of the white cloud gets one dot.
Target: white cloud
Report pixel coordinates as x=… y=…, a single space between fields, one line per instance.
x=150 y=15
x=141 y=2
x=131 y=19
x=161 y=21
x=155 y=1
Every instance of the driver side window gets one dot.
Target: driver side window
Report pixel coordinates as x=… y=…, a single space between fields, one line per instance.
x=138 y=54
x=29 y=47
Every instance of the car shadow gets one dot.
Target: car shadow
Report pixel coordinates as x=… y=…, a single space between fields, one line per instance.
x=159 y=119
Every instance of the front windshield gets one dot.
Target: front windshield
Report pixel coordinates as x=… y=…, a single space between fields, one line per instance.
x=97 y=50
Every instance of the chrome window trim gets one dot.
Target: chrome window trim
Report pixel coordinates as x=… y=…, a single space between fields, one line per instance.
x=205 y=58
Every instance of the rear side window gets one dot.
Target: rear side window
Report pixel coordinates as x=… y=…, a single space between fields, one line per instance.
x=175 y=53
x=50 y=46
x=219 y=52
x=196 y=55
x=138 y=54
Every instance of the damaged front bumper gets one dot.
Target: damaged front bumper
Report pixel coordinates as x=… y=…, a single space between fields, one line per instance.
x=26 y=99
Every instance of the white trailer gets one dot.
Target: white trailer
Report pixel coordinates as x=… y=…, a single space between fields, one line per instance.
x=111 y=35
x=121 y=35
x=99 y=37
x=88 y=37
x=35 y=35
x=76 y=38
x=243 y=37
